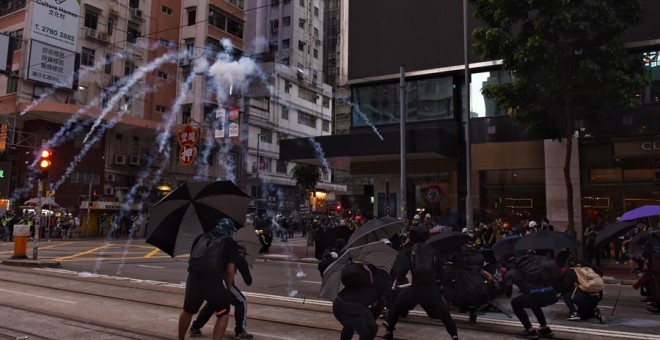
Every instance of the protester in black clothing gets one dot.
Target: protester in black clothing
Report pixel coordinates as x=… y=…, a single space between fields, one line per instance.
x=358 y=305
x=535 y=276
x=465 y=284
x=423 y=290
x=237 y=300
x=212 y=285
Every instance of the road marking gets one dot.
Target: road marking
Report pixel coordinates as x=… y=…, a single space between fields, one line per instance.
x=153 y=267
x=317 y=282
x=83 y=253
x=37 y=296
x=152 y=253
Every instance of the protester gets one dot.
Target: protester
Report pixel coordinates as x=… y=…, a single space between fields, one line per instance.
x=237 y=300
x=581 y=298
x=365 y=293
x=465 y=285
x=422 y=261
x=534 y=276
x=211 y=269
x=330 y=254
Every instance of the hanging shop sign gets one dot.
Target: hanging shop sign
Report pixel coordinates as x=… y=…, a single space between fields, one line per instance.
x=56 y=22
x=53 y=65
x=187 y=137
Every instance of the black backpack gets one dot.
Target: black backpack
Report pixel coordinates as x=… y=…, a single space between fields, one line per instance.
x=424 y=263
x=207 y=256
x=538 y=270
x=470 y=287
x=356 y=274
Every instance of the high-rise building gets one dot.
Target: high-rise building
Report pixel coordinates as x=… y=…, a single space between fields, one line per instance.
x=292 y=102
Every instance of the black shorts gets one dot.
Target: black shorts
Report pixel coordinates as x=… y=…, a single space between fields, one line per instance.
x=210 y=289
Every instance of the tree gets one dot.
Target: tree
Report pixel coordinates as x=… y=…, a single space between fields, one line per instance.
x=567 y=60
x=306 y=176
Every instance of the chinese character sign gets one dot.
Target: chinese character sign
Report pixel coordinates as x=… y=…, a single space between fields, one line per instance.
x=187 y=137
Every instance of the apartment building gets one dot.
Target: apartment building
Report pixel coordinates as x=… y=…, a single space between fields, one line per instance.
x=294 y=102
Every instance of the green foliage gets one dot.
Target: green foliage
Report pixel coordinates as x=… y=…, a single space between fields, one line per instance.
x=306 y=176
x=567 y=58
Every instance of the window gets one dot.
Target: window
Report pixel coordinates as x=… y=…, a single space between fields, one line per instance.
x=287 y=86
x=91 y=19
x=134 y=3
x=286 y=2
x=111 y=25
x=18 y=39
x=285 y=61
x=272 y=46
x=162 y=75
x=325 y=126
x=326 y=102
x=186 y=113
x=192 y=16
x=274 y=3
x=285 y=112
x=87 y=57
x=235 y=28
x=266 y=136
x=129 y=68
x=286 y=21
x=107 y=67
x=316 y=32
x=217 y=18
x=307 y=95
x=302 y=3
x=164 y=42
x=213 y=47
x=161 y=109
x=301 y=23
x=281 y=167
x=237 y=3
x=190 y=47
x=316 y=54
x=316 y=12
x=301 y=45
x=306 y=119
x=167 y=10
x=286 y=44
x=132 y=34
x=274 y=26
x=12 y=83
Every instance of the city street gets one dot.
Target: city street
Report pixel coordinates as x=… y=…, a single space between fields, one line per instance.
x=278 y=282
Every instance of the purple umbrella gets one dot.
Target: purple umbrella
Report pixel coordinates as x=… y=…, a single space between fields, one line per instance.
x=641 y=212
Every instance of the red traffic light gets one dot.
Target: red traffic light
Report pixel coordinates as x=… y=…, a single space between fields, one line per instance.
x=44 y=159
x=338 y=206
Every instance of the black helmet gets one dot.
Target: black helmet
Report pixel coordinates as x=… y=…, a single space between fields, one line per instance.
x=418 y=233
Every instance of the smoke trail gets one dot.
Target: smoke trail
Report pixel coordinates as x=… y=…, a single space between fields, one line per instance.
x=132 y=80
x=320 y=154
x=366 y=119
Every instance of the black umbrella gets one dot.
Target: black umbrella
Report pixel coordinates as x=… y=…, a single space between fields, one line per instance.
x=652 y=237
x=375 y=230
x=505 y=246
x=193 y=209
x=448 y=242
x=613 y=231
x=546 y=239
x=328 y=239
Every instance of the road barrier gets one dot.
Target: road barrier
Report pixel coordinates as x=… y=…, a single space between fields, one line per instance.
x=21 y=233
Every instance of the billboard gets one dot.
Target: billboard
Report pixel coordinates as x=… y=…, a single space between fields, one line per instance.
x=6 y=54
x=52 y=65
x=55 y=22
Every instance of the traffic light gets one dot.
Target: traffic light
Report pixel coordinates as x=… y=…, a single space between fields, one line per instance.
x=44 y=163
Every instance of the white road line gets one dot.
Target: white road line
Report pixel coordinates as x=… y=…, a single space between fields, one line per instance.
x=317 y=282
x=37 y=296
x=146 y=266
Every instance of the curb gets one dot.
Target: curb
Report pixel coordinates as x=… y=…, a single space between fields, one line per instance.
x=31 y=263
x=287 y=258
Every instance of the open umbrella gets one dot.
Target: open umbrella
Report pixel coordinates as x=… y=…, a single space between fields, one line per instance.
x=376 y=253
x=375 y=230
x=641 y=212
x=247 y=237
x=45 y=201
x=546 y=239
x=636 y=246
x=613 y=231
x=505 y=246
x=448 y=242
x=193 y=209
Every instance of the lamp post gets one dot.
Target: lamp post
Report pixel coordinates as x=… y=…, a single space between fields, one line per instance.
x=256 y=202
x=468 y=153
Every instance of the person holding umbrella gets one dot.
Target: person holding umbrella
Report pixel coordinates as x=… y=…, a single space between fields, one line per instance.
x=211 y=271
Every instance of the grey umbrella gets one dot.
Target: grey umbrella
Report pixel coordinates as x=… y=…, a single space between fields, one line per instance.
x=612 y=231
x=375 y=230
x=376 y=253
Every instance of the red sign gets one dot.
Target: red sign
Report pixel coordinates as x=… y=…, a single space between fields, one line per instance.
x=433 y=193
x=187 y=138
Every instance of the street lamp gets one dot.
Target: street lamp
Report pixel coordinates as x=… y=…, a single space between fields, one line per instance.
x=256 y=202
x=468 y=153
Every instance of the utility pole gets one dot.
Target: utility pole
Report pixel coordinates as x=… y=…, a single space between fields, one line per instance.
x=468 y=151
x=404 y=172
x=37 y=220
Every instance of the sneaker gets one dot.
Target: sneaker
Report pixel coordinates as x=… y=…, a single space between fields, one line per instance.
x=599 y=316
x=388 y=336
x=194 y=332
x=573 y=317
x=473 y=318
x=528 y=334
x=244 y=335
x=545 y=332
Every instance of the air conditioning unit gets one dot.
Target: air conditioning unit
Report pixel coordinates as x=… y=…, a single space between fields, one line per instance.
x=90 y=33
x=136 y=14
x=184 y=62
x=110 y=177
x=135 y=159
x=108 y=191
x=103 y=36
x=120 y=159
